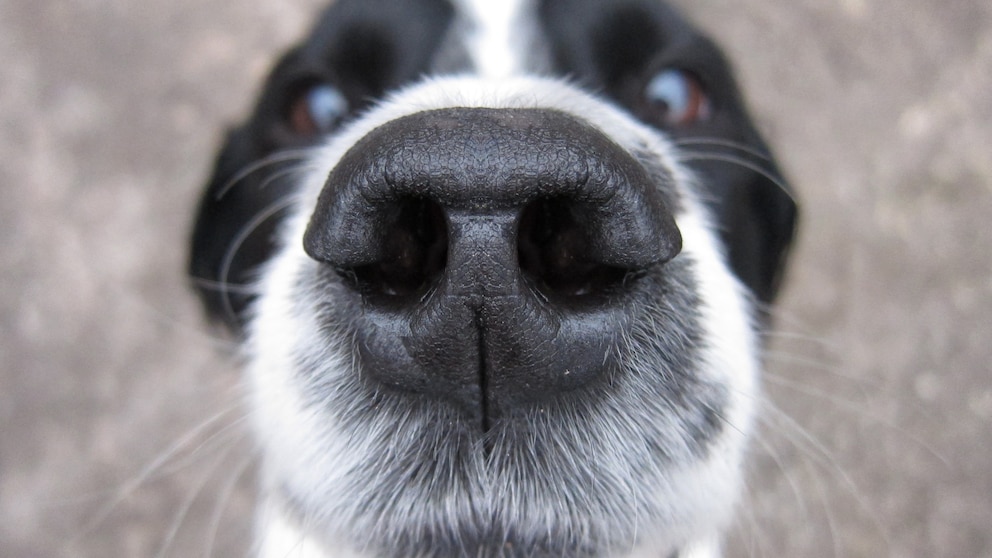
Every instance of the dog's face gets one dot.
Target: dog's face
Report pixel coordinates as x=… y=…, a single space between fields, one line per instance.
x=489 y=313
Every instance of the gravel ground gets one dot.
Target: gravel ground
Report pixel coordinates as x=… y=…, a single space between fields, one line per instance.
x=120 y=434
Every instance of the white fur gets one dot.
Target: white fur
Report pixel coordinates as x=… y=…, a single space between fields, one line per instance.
x=502 y=37
x=308 y=455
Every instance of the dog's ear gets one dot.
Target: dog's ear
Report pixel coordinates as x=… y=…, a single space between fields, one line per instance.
x=357 y=51
x=649 y=59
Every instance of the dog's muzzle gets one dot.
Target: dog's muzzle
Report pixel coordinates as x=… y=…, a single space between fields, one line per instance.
x=490 y=250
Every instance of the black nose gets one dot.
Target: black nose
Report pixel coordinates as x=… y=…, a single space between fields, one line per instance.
x=492 y=250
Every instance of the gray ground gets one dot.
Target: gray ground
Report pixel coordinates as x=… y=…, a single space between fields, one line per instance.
x=878 y=440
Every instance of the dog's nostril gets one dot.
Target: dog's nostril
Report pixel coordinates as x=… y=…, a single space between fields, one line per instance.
x=447 y=223
x=413 y=251
x=554 y=251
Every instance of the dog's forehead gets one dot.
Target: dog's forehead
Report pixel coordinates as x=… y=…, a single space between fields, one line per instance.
x=515 y=37
x=502 y=38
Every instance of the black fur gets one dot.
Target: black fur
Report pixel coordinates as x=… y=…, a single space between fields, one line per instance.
x=616 y=47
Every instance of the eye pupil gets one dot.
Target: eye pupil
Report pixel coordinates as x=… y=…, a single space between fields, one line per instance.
x=677 y=97
x=320 y=108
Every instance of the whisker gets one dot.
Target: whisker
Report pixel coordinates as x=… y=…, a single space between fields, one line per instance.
x=789 y=325
x=285 y=156
x=720 y=142
x=817 y=453
x=810 y=364
x=835 y=542
x=230 y=431
x=196 y=333
x=732 y=159
x=789 y=478
x=754 y=535
x=148 y=472
x=812 y=452
x=758 y=537
x=822 y=453
x=222 y=500
x=234 y=288
x=858 y=411
x=180 y=516
x=774 y=334
x=805 y=363
x=267 y=213
x=282 y=173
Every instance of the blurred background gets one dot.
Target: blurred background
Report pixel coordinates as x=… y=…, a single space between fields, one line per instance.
x=120 y=433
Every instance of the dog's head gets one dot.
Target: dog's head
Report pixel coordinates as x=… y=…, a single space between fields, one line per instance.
x=491 y=311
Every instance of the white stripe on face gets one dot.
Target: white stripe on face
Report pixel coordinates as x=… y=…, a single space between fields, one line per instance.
x=503 y=37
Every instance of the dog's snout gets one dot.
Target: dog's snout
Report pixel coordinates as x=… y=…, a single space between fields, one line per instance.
x=492 y=249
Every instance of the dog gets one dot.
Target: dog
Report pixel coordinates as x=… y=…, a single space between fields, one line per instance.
x=500 y=270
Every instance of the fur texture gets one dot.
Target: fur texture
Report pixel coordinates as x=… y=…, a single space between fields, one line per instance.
x=643 y=460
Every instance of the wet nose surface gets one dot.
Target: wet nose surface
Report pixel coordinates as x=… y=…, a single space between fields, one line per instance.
x=492 y=249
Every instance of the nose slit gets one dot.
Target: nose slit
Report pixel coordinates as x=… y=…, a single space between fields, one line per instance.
x=491 y=250
x=413 y=253
x=555 y=251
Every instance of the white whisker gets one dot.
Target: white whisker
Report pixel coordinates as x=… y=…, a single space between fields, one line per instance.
x=719 y=142
x=285 y=156
x=223 y=497
x=814 y=452
x=739 y=161
x=150 y=471
x=264 y=215
x=180 y=515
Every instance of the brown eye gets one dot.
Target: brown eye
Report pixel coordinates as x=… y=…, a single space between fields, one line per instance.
x=316 y=110
x=677 y=98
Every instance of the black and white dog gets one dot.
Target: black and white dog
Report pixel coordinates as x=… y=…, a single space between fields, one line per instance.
x=498 y=266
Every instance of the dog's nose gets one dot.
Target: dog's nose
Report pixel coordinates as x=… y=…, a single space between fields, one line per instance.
x=492 y=251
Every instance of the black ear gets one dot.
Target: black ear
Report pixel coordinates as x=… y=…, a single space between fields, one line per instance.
x=621 y=48
x=358 y=51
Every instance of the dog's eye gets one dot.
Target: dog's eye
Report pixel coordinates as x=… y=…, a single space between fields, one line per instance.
x=677 y=97
x=317 y=109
